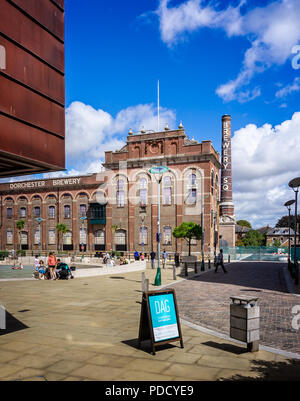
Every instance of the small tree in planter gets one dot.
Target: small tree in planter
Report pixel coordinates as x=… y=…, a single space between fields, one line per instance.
x=188 y=231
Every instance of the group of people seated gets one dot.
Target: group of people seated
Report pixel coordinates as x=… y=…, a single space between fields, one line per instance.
x=54 y=270
x=110 y=259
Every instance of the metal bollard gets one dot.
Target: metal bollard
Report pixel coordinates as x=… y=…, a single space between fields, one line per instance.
x=244 y=321
x=185 y=269
x=2 y=318
x=209 y=263
x=145 y=283
x=174 y=272
x=228 y=258
x=196 y=270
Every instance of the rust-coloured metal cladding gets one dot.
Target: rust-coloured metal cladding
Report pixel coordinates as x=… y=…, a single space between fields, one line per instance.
x=46 y=13
x=31 y=143
x=23 y=104
x=28 y=70
x=32 y=82
x=18 y=27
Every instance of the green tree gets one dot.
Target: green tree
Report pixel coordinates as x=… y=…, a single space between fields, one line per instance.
x=188 y=231
x=244 y=223
x=284 y=221
x=61 y=228
x=20 y=225
x=253 y=238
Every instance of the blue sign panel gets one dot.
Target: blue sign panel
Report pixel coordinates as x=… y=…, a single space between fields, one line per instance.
x=163 y=317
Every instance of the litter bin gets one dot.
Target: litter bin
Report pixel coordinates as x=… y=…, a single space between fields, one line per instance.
x=244 y=321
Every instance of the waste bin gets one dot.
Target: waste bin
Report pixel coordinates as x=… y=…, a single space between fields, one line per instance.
x=244 y=321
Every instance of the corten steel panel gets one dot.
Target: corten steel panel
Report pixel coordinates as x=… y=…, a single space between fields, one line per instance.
x=46 y=13
x=18 y=27
x=28 y=70
x=31 y=143
x=28 y=106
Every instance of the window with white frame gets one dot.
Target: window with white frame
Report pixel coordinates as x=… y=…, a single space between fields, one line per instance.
x=51 y=212
x=121 y=237
x=37 y=236
x=99 y=237
x=167 y=235
x=24 y=238
x=9 y=237
x=82 y=235
x=143 y=235
x=23 y=212
x=120 y=193
x=51 y=238
x=143 y=191
x=167 y=190
x=192 y=190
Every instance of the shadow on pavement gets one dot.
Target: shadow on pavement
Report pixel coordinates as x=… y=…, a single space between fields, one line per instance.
x=12 y=324
x=258 y=275
x=271 y=371
x=238 y=350
x=146 y=345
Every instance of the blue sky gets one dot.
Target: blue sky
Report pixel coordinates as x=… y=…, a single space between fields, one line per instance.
x=211 y=58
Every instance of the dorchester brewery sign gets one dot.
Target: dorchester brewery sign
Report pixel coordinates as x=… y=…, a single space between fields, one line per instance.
x=40 y=184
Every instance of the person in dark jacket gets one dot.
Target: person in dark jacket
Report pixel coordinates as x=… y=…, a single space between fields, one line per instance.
x=220 y=262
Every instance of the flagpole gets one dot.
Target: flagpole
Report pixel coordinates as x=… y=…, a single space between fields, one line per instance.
x=158 y=106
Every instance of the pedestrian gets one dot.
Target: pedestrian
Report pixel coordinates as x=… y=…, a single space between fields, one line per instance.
x=136 y=255
x=177 y=259
x=142 y=256
x=164 y=258
x=42 y=270
x=152 y=257
x=220 y=262
x=52 y=264
x=36 y=266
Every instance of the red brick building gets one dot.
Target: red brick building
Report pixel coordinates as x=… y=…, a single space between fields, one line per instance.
x=120 y=203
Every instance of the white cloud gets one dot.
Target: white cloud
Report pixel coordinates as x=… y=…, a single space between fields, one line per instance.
x=91 y=132
x=264 y=160
x=272 y=32
x=287 y=90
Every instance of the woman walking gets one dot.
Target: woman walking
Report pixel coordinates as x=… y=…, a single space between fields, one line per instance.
x=52 y=264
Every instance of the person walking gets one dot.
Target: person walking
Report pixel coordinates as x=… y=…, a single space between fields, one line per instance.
x=220 y=262
x=52 y=264
x=152 y=257
x=177 y=259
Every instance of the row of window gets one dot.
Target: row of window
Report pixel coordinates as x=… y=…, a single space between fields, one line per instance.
x=51 y=212
x=166 y=191
x=99 y=237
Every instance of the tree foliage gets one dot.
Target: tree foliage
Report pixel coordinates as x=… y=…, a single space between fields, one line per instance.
x=284 y=221
x=254 y=238
x=244 y=223
x=188 y=231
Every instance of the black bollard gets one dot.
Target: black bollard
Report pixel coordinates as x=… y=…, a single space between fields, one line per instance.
x=185 y=269
x=209 y=263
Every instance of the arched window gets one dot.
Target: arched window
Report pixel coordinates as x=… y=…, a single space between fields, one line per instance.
x=99 y=240
x=120 y=240
x=82 y=210
x=192 y=190
x=24 y=238
x=9 y=212
x=120 y=193
x=67 y=238
x=143 y=191
x=212 y=182
x=143 y=236
x=52 y=237
x=167 y=190
x=216 y=184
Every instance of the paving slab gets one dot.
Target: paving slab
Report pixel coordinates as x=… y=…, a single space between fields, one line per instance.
x=87 y=328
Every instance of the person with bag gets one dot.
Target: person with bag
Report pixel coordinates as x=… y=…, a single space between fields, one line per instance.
x=220 y=262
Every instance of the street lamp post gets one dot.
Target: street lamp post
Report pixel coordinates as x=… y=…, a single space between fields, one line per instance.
x=158 y=172
x=295 y=184
x=288 y=206
x=143 y=216
x=39 y=220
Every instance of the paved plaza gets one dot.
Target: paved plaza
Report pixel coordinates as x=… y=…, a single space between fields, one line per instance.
x=87 y=329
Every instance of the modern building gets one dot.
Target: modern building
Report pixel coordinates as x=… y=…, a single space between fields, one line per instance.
x=32 y=81
x=117 y=209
